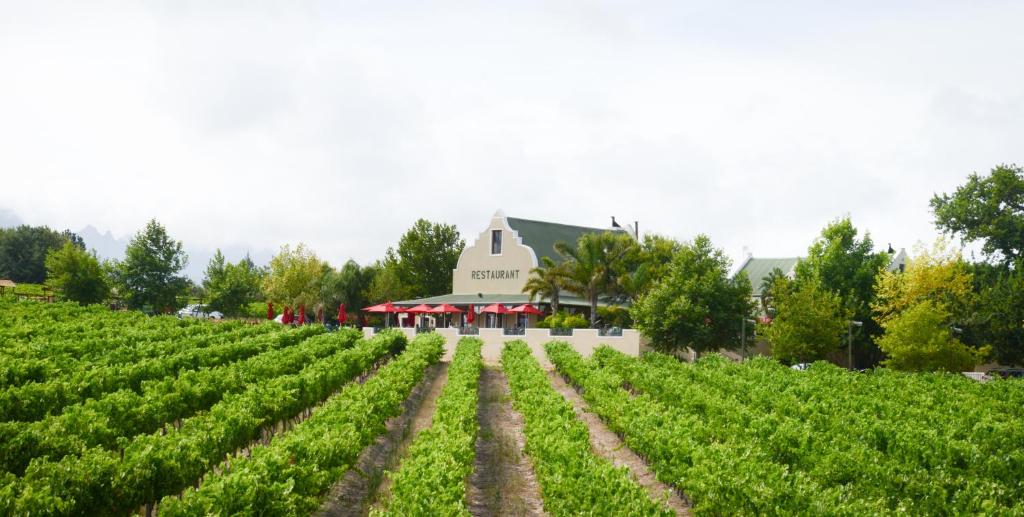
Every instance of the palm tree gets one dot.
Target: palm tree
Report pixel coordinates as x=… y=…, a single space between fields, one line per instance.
x=546 y=281
x=594 y=266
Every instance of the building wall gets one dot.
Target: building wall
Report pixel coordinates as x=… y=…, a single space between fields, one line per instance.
x=480 y=272
x=583 y=341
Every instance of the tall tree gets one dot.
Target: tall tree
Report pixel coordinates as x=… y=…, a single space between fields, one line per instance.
x=426 y=258
x=546 y=281
x=847 y=265
x=349 y=285
x=386 y=285
x=231 y=287
x=920 y=339
x=809 y=322
x=938 y=274
x=149 y=275
x=23 y=251
x=998 y=317
x=78 y=274
x=294 y=277
x=595 y=264
x=696 y=304
x=648 y=265
x=989 y=209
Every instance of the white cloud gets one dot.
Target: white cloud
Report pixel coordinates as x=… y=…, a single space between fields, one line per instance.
x=339 y=125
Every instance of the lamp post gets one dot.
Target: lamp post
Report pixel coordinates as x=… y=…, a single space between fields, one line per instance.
x=849 y=342
x=743 y=335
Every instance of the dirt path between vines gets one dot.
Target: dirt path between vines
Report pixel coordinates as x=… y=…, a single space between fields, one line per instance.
x=365 y=485
x=503 y=481
x=608 y=444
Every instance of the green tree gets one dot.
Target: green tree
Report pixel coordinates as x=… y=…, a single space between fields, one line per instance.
x=696 y=304
x=232 y=287
x=648 y=265
x=23 y=251
x=595 y=264
x=810 y=322
x=295 y=276
x=78 y=274
x=845 y=265
x=546 y=281
x=989 y=209
x=938 y=274
x=998 y=317
x=349 y=285
x=920 y=339
x=386 y=285
x=149 y=275
x=426 y=258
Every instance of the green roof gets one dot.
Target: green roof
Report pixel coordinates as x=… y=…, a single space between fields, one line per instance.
x=758 y=268
x=487 y=299
x=542 y=236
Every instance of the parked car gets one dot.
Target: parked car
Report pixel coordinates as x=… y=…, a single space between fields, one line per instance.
x=801 y=366
x=1006 y=373
x=198 y=311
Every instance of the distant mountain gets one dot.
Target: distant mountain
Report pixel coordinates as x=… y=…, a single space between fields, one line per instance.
x=106 y=245
x=8 y=218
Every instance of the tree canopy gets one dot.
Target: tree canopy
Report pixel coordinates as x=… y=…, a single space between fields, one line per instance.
x=231 y=287
x=149 y=275
x=938 y=274
x=847 y=265
x=78 y=274
x=349 y=285
x=23 y=251
x=695 y=304
x=810 y=321
x=546 y=281
x=595 y=264
x=425 y=258
x=294 y=277
x=989 y=209
x=920 y=339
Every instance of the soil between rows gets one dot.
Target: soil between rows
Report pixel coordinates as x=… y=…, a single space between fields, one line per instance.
x=503 y=481
x=365 y=486
x=607 y=444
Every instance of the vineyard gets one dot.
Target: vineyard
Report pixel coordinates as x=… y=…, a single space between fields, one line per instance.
x=117 y=413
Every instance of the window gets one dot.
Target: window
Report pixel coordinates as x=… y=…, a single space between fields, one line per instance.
x=495 y=242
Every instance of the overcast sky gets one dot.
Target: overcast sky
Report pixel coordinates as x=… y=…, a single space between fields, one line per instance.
x=254 y=124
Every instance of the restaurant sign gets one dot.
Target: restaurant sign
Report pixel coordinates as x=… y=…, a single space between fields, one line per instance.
x=494 y=274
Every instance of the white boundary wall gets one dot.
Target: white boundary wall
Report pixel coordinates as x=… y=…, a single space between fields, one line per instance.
x=583 y=341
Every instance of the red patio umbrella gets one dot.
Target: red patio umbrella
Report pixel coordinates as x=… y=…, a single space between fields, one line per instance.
x=419 y=309
x=302 y=314
x=270 y=310
x=286 y=316
x=342 y=315
x=495 y=308
x=526 y=309
x=383 y=307
x=386 y=307
x=470 y=315
x=444 y=308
